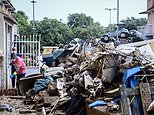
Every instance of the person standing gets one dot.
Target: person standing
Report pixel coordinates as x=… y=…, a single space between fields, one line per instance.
x=20 y=68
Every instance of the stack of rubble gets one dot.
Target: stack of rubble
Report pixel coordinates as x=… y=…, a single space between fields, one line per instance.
x=88 y=80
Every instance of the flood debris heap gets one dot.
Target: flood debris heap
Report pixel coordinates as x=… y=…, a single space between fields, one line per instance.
x=91 y=78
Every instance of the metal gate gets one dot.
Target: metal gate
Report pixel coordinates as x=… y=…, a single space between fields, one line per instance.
x=28 y=48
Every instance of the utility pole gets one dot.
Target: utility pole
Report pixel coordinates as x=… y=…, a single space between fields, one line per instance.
x=33 y=2
x=118 y=21
x=110 y=9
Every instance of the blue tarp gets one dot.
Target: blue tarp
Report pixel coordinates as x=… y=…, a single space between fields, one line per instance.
x=131 y=82
x=97 y=103
x=129 y=79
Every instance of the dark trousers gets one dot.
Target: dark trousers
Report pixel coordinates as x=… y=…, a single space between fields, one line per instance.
x=13 y=82
x=13 y=78
x=19 y=76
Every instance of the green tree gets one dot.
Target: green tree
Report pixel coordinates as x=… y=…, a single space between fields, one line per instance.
x=79 y=20
x=96 y=29
x=53 y=32
x=133 y=23
x=23 y=23
x=111 y=28
x=82 y=33
x=83 y=26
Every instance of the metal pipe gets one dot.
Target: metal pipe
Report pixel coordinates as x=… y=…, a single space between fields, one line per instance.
x=39 y=46
x=110 y=17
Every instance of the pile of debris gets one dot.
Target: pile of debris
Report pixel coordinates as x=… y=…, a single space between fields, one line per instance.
x=91 y=78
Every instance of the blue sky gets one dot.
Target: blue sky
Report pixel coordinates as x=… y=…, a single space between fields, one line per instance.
x=59 y=9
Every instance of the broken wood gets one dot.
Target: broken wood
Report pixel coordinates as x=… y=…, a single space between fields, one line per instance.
x=35 y=76
x=27 y=111
x=145 y=96
x=112 y=91
x=126 y=110
x=16 y=97
x=137 y=44
x=43 y=111
x=55 y=104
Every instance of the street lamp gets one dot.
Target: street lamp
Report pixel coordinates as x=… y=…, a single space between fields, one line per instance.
x=33 y=2
x=110 y=9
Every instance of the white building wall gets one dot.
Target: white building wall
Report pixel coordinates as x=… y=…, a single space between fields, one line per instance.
x=5 y=46
x=2 y=72
x=1 y=33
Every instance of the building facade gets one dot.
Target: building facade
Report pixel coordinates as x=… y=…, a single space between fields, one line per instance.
x=149 y=28
x=8 y=29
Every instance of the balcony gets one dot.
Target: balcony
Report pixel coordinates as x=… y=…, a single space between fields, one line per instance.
x=149 y=30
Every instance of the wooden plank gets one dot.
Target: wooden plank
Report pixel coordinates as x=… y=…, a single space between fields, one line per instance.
x=152 y=90
x=138 y=44
x=16 y=97
x=152 y=46
x=43 y=111
x=126 y=110
x=135 y=107
x=27 y=111
x=132 y=91
x=145 y=96
x=32 y=77
x=135 y=91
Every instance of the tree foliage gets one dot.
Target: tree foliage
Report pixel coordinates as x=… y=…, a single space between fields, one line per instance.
x=132 y=23
x=79 y=20
x=111 y=28
x=83 y=26
x=22 y=20
x=53 y=32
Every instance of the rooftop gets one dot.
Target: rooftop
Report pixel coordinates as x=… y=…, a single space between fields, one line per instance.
x=148 y=10
x=8 y=5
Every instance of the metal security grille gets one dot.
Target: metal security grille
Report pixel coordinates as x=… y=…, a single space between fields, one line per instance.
x=28 y=48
